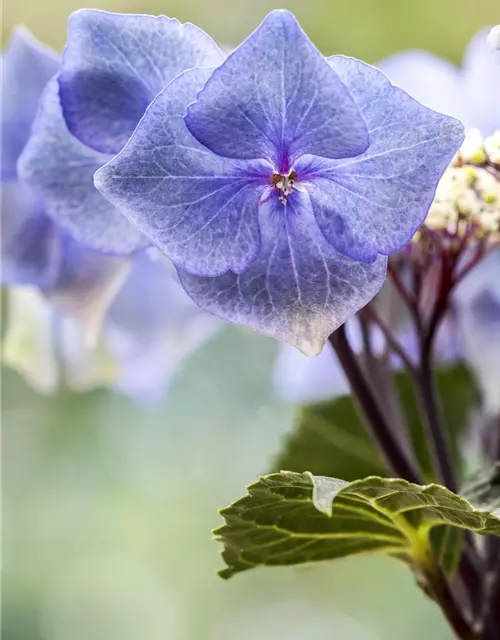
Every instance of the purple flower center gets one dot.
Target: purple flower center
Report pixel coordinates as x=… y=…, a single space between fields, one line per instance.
x=283 y=185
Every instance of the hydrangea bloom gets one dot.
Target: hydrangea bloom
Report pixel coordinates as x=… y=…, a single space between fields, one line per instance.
x=279 y=182
x=52 y=322
x=112 y=67
x=34 y=250
x=471 y=94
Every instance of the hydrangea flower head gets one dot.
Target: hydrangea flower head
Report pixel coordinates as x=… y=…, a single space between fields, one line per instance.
x=73 y=311
x=113 y=65
x=279 y=182
x=34 y=250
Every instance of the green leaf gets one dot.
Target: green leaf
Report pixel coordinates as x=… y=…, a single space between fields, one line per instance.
x=446 y=544
x=329 y=438
x=290 y=518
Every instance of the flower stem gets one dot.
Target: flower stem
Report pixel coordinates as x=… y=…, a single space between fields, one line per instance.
x=442 y=594
x=398 y=460
x=438 y=435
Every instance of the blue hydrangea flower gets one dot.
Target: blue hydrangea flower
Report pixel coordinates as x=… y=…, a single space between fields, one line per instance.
x=113 y=65
x=60 y=291
x=279 y=182
x=34 y=250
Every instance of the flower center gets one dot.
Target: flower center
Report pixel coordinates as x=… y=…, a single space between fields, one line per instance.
x=283 y=184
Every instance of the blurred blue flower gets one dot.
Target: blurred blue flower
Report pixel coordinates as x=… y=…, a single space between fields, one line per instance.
x=279 y=183
x=75 y=312
x=469 y=93
x=34 y=250
x=150 y=328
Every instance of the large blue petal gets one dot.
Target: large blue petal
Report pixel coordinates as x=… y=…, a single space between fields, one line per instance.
x=435 y=82
x=481 y=85
x=298 y=289
x=60 y=169
x=31 y=242
x=275 y=97
x=374 y=203
x=115 y=64
x=27 y=66
x=199 y=209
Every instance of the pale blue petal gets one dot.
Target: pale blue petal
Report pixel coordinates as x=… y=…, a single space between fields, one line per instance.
x=275 y=97
x=481 y=85
x=27 y=66
x=298 y=289
x=31 y=243
x=87 y=284
x=477 y=302
x=373 y=204
x=199 y=209
x=431 y=80
x=60 y=170
x=115 y=64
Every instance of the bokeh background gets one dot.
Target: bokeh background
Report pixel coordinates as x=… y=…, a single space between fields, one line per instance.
x=108 y=507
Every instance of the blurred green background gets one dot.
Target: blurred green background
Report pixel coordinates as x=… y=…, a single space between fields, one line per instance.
x=108 y=507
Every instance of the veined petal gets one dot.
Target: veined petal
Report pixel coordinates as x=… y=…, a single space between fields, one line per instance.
x=481 y=85
x=88 y=283
x=199 y=209
x=431 y=80
x=60 y=169
x=31 y=242
x=114 y=65
x=374 y=203
x=27 y=66
x=275 y=97
x=299 y=289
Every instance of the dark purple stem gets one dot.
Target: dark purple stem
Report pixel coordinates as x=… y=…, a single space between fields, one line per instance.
x=380 y=430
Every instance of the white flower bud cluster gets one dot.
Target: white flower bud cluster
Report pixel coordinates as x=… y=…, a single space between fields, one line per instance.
x=468 y=195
